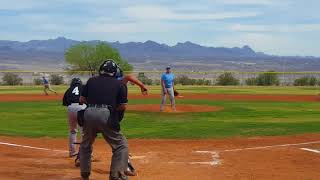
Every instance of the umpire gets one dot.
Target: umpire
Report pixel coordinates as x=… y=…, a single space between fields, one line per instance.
x=107 y=99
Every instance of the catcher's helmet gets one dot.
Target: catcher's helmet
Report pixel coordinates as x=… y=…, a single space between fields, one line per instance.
x=76 y=81
x=108 y=67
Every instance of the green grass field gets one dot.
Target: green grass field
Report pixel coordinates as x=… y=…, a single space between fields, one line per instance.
x=239 y=118
x=184 y=89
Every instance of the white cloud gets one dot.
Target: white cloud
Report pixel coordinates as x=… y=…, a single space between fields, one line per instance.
x=248 y=2
x=275 y=28
x=164 y=13
x=137 y=27
x=21 y=5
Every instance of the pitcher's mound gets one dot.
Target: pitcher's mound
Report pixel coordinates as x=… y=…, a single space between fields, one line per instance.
x=183 y=108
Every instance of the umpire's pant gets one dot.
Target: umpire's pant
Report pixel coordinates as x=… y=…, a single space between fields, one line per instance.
x=96 y=122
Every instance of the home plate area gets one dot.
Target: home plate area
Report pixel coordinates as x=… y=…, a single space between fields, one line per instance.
x=294 y=158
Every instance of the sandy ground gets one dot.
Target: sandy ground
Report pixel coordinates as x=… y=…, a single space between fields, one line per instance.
x=237 y=158
x=180 y=108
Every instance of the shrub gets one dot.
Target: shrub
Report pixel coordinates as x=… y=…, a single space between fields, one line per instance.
x=227 y=79
x=56 y=79
x=37 y=81
x=11 y=79
x=306 y=81
x=184 y=80
x=156 y=82
x=203 y=82
x=144 y=79
x=266 y=79
x=251 y=81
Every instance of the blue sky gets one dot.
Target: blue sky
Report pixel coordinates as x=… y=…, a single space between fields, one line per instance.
x=280 y=27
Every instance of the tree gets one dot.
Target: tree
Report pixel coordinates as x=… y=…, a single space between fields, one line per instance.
x=269 y=78
x=56 y=79
x=11 y=79
x=88 y=57
x=227 y=79
x=305 y=81
x=37 y=81
x=144 y=79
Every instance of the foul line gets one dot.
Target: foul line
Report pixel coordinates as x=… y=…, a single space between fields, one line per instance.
x=215 y=154
x=310 y=150
x=272 y=146
x=31 y=147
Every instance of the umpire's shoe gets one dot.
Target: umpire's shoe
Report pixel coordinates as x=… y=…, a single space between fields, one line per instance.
x=118 y=176
x=85 y=175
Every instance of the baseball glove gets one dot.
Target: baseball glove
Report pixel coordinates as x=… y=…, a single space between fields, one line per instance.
x=176 y=93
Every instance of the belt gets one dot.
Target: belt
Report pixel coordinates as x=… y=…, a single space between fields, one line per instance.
x=99 y=105
x=74 y=104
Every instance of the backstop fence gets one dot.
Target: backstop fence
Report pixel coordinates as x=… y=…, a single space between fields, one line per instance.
x=210 y=77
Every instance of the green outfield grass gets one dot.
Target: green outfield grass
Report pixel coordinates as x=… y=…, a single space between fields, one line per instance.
x=37 y=119
x=183 y=89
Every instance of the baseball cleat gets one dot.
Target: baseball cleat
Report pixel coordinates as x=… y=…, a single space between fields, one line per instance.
x=130 y=170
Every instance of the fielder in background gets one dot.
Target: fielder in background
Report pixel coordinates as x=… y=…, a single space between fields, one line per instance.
x=47 y=86
x=71 y=100
x=167 y=84
x=106 y=97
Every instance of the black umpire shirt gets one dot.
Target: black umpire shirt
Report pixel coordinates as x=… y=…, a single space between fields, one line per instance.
x=108 y=91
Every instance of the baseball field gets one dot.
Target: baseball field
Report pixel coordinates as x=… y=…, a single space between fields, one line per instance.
x=216 y=133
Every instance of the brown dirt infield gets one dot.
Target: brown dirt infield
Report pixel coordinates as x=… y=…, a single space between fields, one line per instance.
x=226 y=97
x=172 y=159
x=181 y=108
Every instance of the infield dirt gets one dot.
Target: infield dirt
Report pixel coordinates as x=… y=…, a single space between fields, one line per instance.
x=170 y=159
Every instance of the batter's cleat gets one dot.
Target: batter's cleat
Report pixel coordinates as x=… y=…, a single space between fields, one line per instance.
x=77 y=161
x=72 y=154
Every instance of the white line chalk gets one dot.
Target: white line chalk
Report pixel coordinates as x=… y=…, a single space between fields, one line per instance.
x=214 y=162
x=272 y=146
x=31 y=147
x=311 y=150
x=137 y=157
x=215 y=154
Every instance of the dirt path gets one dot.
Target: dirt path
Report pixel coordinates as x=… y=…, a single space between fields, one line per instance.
x=180 y=108
x=230 y=97
x=236 y=158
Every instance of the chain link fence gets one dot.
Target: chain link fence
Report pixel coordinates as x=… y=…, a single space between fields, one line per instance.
x=210 y=77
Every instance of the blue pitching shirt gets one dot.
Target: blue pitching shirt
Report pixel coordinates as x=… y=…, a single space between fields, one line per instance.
x=168 y=79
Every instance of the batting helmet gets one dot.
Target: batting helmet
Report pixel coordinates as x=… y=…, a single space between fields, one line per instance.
x=119 y=73
x=76 y=81
x=108 y=67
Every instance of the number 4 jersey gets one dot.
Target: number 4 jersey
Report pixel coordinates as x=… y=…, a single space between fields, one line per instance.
x=72 y=95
